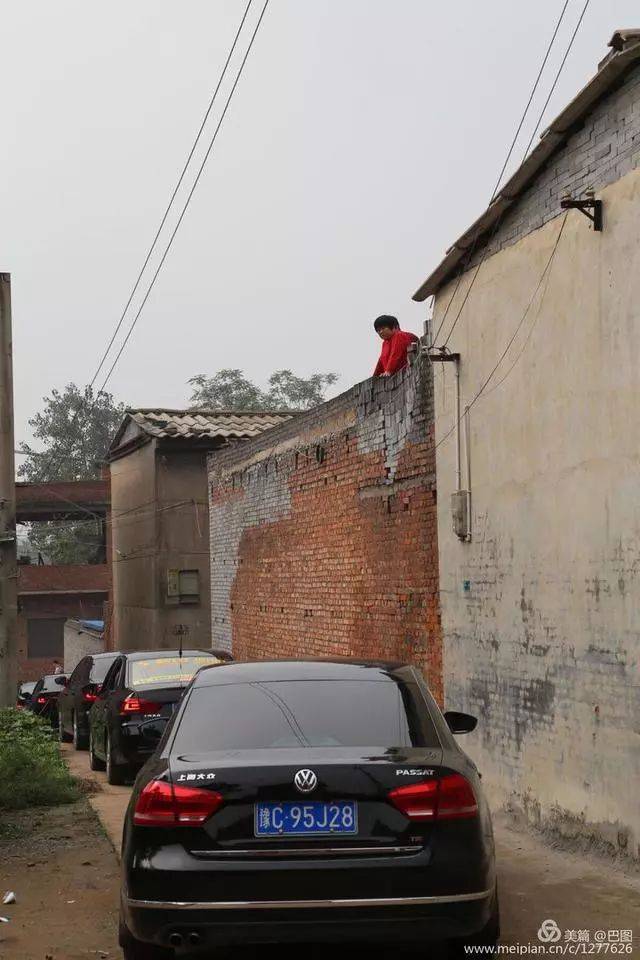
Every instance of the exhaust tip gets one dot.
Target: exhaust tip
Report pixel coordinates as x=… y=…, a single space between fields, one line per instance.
x=175 y=939
x=194 y=938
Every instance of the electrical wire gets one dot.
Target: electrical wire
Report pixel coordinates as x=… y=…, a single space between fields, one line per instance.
x=174 y=194
x=557 y=77
x=188 y=200
x=89 y=409
x=517 y=329
x=499 y=220
x=509 y=153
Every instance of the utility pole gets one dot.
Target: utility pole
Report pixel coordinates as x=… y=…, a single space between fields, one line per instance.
x=8 y=559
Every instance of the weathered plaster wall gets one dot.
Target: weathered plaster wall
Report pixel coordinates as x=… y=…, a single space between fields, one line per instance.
x=541 y=611
x=323 y=531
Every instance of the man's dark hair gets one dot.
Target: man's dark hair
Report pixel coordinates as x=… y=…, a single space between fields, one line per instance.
x=385 y=321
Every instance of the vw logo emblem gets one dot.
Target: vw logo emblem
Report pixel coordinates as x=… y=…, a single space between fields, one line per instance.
x=305 y=781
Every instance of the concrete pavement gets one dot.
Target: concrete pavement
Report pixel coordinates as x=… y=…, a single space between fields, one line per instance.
x=537 y=882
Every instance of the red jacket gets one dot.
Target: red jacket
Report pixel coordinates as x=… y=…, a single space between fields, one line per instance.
x=393 y=356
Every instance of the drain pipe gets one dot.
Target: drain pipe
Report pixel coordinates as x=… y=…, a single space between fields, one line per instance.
x=467 y=454
x=456 y=368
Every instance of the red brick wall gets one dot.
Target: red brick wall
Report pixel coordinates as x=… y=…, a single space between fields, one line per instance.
x=323 y=532
x=67 y=577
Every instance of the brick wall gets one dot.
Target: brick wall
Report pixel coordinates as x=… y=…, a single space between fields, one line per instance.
x=323 y=531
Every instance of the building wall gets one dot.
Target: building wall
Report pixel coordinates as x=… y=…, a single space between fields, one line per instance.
x=78 y=643
x=323 y=531
x=183 y=544
x=540 y=610
x=159 y=523
x=134 y=613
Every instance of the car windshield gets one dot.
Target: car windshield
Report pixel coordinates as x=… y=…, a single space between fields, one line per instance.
x=100 y=668
x=306 y=713
x=166 y=671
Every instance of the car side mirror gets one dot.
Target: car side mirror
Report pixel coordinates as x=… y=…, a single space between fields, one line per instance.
x=152 y=730
x=460 y=722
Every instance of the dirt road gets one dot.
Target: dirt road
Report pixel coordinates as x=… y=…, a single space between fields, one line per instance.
x=62 y=868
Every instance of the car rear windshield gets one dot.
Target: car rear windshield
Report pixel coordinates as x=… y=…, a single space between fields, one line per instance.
x=50 y=684
x=166 y=671
x=100 y=668
x=307 y=713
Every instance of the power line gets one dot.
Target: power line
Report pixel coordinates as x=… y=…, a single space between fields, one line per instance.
x=557 y=77
x=173 y=195
x=87 y=410
x=188 y=200
x=508 y=156
x=499 y=219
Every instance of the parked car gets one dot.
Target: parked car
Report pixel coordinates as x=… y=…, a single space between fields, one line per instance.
x=44 y=697
x=24 y=693
x=79 y=695
x=139 y=686
x=307 y=801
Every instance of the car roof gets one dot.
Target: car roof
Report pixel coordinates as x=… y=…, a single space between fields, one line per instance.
x=159 y=654
x=103 y=656
x=311 y=669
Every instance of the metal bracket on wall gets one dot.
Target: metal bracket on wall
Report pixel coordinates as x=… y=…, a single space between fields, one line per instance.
x=584 y=205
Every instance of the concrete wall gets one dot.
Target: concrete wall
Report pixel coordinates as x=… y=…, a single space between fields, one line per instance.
x=134 y=615
x=79 y=642
x=323 y=531
x=183 y=543
x=160 y=522
x=540 y=610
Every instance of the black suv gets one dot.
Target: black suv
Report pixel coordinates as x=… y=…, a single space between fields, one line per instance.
x=78 y=697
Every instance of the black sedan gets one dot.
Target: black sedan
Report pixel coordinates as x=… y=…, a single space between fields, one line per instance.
x=138 y=687
x=44 y=697
x=307 y=801
x=79 y=695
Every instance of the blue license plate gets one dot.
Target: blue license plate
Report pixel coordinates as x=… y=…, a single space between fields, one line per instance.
x=313 y=818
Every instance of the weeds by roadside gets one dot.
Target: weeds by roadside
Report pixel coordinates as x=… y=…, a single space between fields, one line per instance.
x=32 y=772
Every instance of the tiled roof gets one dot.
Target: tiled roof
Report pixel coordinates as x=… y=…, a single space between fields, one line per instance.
x=203 y=424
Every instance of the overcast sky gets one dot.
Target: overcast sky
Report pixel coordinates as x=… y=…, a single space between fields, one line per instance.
x=364 y=136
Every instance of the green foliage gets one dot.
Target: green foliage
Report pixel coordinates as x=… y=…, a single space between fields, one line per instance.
x=230 y=390
x=32 y=772
x=76 y=427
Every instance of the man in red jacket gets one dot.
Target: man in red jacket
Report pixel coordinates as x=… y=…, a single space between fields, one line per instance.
x=396 y=342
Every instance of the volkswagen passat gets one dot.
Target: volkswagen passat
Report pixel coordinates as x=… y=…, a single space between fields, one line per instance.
x=306 y=801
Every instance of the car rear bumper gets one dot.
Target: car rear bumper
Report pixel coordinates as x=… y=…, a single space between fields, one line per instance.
x=206 y=925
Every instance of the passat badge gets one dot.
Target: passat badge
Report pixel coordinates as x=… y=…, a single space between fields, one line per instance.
x=305 y=781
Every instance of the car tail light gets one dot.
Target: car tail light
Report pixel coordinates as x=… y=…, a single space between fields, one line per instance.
x=90 y=696
x=449 y=798
x=41 y=700
x=162 y=804
x=135 y=704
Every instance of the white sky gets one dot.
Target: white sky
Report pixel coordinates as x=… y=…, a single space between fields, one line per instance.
x=364 y=136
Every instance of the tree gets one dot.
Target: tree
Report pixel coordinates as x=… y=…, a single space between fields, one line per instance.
x=75 y=428
x=230 y=390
